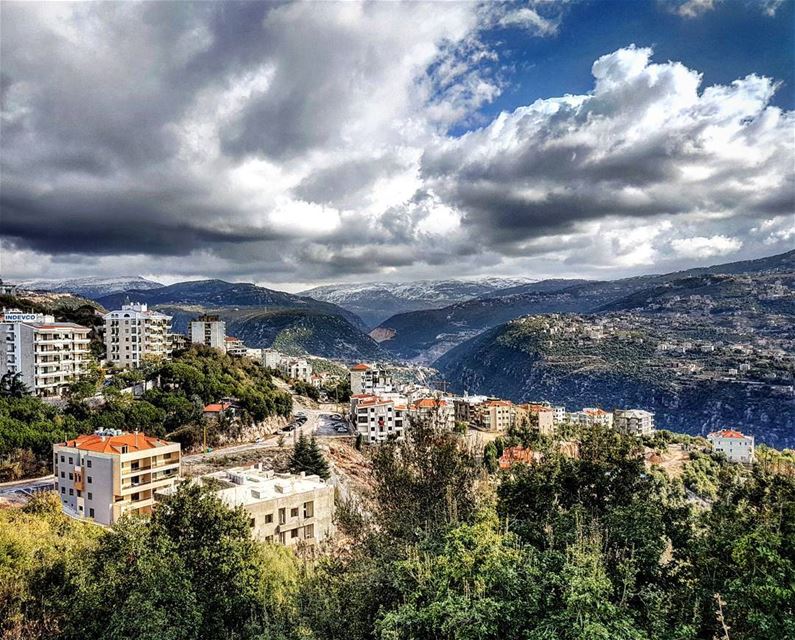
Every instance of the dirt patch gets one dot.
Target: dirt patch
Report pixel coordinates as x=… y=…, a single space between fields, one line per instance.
x=671 y=460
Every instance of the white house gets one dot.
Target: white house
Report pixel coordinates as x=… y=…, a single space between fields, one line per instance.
x=733 y=444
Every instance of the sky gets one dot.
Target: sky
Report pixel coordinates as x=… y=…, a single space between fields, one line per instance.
x=300 y=144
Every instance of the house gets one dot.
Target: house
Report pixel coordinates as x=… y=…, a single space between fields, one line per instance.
x=208 y=330
x=217 y=410
x=592 y=416
x=109 y=473
x=633 y=422
x=134 y=333
x=733 y=444
x=282 y=508
x=271 y=358
x=494 y=415
x=48 y=355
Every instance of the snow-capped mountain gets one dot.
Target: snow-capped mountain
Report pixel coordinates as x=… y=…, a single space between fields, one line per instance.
x=91 y=287
x=376 y=301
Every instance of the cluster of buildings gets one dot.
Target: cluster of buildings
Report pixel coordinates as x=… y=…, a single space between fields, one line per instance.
x=381 y=409
x=102 y=476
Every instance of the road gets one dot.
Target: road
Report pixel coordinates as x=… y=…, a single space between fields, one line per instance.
x=28 y=487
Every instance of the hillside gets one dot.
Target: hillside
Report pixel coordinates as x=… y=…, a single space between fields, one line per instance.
x=294 y=331
x=696 y=374
x=91 y=287
x=425 y=335
x=374 y=302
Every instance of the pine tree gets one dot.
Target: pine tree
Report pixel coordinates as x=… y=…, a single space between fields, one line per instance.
x=316 y=460
x=300 y=458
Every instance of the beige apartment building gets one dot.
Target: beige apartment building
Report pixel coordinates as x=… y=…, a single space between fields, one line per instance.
x=540 y=417
x=104 y=475
x=134 y=332
x=434 y=411
x=282 y=508
x=49 y=355
x=209 y=331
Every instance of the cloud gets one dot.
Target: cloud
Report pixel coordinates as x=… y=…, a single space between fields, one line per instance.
x=693 y=8
x=701 y=247
x=303 y=142
x=646 y=142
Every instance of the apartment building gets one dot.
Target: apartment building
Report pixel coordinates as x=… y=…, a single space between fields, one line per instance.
x=271 y=358
x=133 y=333
x=464 y=407
x=208 y=330
x=733 y=444
x=234 y=346
x=434 y=411
x=296 y=369
x=558 y=414
x=540 y=417
x=282 y=508
x=592 y=416
x=109 y=473
x=371 y=379
x=49 y=355
x=495 y=415
x=633 y=422
x=377 y=419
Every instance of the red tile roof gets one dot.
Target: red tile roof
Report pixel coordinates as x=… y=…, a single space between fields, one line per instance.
x=430 y=403
x=360 y=367
x=217 y=407
x=113 y=444
x=728 y=433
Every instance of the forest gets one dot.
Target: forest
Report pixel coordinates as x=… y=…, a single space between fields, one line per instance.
x=592 y=547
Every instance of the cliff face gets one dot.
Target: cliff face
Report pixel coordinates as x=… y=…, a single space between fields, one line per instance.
x=520 y=362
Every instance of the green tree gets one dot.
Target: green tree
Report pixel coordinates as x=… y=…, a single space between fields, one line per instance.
x=12 y=386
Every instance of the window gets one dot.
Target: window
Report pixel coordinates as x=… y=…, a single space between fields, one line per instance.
x=90 y=496
x=282 y=516
x=80 y=508
x=88 y=464
x=71 y=476
x=281 y=537
x=79 y=493
x=268 y=518
x=91 y=513
x=294 y=534
x=63 y=475
x=61 y=458
x=71 y=492
x=135 y=497
x=309 y=531
x=252 y=522
x=63 y=489
x=294 y=512
x=71 y=460
x=309 y=509
x=88 y=479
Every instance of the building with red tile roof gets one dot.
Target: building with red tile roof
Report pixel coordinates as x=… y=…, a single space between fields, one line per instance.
x=736 y=446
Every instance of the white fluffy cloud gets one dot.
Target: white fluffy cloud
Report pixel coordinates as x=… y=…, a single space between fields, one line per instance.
x=701 y=247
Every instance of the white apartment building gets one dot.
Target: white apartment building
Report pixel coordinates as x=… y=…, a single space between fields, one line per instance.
x=296 y=369
x=209 y=331
x=558 y=414
x=49 y=355
x=282 y=508
x=633 y=422
x=366 y=379
x=271 y=358
x=234 y=346
x=104 y=475
x=134 y=332
x=733 y=444
x=377 y=419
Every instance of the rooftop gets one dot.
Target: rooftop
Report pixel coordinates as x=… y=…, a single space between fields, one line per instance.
x=360 y=367
x=728 y=433
x=104 y=442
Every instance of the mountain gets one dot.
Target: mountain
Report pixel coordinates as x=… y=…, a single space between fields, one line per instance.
x=424 y=336
x=91 y=287
x=262 y=317
x=374 y=302
x=697 y=373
